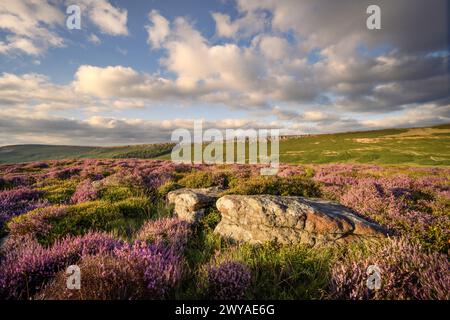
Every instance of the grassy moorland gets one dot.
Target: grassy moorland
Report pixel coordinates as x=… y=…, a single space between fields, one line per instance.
x=36 y=152
x=111 y=219
x=417 y=146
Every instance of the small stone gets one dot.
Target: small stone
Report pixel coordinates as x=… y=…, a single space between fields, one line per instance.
x=190 y=204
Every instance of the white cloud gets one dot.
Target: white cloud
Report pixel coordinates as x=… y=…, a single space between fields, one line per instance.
x=32 y=27
x=128 y=104
x=108 y=18
x=274 y=48
x=158 y=30
x=94 y=39
x=247 y=25
x=29 y=26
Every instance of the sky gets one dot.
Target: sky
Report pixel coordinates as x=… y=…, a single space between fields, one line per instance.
x=137 y=70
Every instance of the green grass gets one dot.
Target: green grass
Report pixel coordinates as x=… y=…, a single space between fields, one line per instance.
x=417 y=146
x=32 y=152
x=122 y=218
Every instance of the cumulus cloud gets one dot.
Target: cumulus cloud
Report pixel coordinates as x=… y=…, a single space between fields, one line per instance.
x=347 y=74
x=249 y=24
x=29 y=26
x=32 y=27
x=101 y=130
x=158 y=30
x=108 y=18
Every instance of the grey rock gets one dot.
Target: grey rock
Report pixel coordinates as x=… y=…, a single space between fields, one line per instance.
x=190 y=204
x=289 y=220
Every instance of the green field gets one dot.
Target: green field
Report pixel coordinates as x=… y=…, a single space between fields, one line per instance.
x=417 y=146
x=24 y=153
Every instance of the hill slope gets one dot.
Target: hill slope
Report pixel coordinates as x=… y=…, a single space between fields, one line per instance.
x=23 y=153
x=416 y=146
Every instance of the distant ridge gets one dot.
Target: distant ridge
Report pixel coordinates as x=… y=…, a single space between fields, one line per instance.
x=428 y=146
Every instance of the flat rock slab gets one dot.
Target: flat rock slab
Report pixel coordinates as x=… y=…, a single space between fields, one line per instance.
x=289 y=220
x=190 y=204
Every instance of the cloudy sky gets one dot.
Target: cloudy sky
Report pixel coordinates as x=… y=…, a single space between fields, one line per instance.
x=136 y=70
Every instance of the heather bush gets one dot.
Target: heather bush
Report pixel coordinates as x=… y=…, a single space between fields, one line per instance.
x=407 y=272
x=52 y=223
x=414 y=207
x=11 y=181
x=104 y=277
x=293 y=186
x=116 y=193
x=171 y=232
x=160 y=267
x=3 y=183
x=23 y=274
x=16 y=202
x=36 y=222
x=168 y=186
x=204 y=179
x=85 y=191
x=64 y=173
x=228 y=281
x=58 y=191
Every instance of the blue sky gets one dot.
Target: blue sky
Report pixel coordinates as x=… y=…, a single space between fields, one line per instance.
x=138 y=70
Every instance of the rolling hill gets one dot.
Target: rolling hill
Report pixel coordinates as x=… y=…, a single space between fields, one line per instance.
x=415 y=146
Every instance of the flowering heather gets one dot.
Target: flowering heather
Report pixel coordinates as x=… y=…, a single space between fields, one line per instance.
x=36 y=222
x=414 y=207
x=228 y=281
x=104 y=277
x=171 y=232
x=407 y=272
x=64 y=173
x=160 y=268
x=85 y=191
x=17 y=201
x=23 y=274
x=15 y=180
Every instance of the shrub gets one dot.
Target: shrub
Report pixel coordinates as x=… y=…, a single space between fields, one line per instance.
x=63 y=174
x=59 y=191
x=160 y=267
x=172 y=232
x=407 y=272
x=204 y=179
x=228 y=281
x=18 y=201
x=23 y=274
x=137 y=271
x=167 y=187
x=36 y=222
x=116 y=193
x=15 y=181
x=104 y=277
x=293 y=186
x=49 y=224
x=85 y=191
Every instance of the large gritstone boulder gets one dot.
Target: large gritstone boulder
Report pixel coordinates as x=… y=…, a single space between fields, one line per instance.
x=289 y=220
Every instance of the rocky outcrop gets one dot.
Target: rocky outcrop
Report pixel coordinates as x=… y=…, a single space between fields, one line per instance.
x=290 y=220
x=190 y=204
